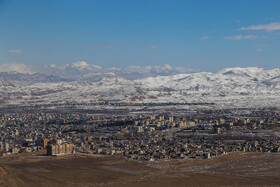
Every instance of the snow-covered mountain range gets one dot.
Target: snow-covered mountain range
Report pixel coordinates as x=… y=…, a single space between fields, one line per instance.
x=81 y=70
x=231 y=87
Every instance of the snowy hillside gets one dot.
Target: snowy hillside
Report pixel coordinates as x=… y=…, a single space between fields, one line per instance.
x=230 y=87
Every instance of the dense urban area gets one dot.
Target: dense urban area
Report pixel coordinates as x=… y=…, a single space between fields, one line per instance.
x=197 y=134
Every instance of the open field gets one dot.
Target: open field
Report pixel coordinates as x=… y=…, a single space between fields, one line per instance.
x=247 y=169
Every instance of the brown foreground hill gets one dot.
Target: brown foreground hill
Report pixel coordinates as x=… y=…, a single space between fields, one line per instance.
x=237 y=169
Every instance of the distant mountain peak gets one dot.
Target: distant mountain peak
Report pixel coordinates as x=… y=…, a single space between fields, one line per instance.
x=241 y=70
x=30 y=78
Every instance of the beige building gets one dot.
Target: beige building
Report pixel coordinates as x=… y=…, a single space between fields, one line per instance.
x=60 y=149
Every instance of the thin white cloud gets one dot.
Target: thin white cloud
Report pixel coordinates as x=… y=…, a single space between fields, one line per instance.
x=18 y=67
x=138 y=69
x=162 y=69
x=268 y=27
x=15 y=51
x=184 y=70
x=259 y=50
x=242 y=37
x=82 y=65
x=205 y=37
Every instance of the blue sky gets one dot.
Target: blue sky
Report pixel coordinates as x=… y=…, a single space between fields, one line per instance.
x=198 y=34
